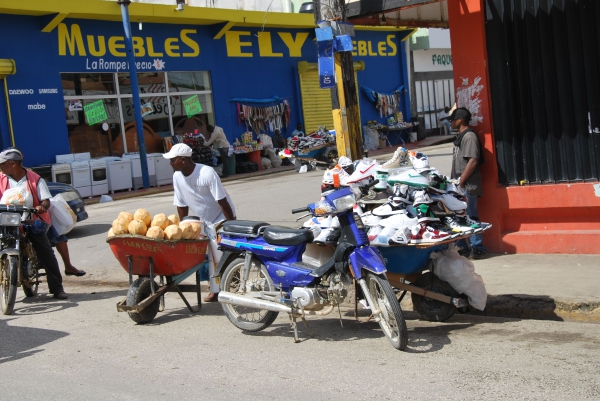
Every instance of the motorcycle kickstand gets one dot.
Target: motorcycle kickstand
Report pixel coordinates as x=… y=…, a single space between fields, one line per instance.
x=310 y=333
x=295 y=327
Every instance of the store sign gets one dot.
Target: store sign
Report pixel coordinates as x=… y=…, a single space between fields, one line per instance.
x=192 y=106
x=387 y=48
x=95 y=112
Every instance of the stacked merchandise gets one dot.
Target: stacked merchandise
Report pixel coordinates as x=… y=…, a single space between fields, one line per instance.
x=415 y=204
x=313 y=140
x=200 y=152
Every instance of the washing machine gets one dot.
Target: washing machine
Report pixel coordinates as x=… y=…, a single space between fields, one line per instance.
x=118 y=172
x=163 y=169
x=136 y=169
x=61 y=170
x=98 y=176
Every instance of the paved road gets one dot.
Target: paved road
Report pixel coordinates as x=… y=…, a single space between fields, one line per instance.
x=83 y=349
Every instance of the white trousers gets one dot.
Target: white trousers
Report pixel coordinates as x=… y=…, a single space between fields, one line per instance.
x=214 y=255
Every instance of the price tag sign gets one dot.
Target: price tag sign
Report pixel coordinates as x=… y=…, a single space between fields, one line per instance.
x=95 y=112
x=192 y=106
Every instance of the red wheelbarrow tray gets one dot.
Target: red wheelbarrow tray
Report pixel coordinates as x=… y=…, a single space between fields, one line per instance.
x=170 y=257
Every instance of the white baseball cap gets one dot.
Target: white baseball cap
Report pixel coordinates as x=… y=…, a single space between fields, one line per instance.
x=178 y=150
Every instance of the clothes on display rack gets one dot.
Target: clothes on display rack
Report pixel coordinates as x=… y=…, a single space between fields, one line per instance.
x=262 y=119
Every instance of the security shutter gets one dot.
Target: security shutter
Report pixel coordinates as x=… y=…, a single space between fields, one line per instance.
x=544 y=58
x=316 y=102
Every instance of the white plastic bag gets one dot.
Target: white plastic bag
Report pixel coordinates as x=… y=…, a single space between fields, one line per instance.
x=19 y=196
x=303 y=169
x=371 y=138
x=459 y=272
x=62 y=216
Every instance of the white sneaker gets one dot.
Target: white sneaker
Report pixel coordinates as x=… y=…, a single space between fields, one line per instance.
x=364 y=170
x=401 y=236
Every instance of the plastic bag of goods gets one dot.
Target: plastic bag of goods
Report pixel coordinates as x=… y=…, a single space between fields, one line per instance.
x=371 y=138
x=62 y=216
x=459 y=272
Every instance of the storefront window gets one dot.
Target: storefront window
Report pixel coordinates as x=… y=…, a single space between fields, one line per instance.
x=155 y=118
x=166 y=111
x=189 y=81
x=182 y=123
x=88 y=84
x=102 y=138
x=148 y=82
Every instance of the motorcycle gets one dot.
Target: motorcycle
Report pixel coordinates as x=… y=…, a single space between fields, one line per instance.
x=18 y=261
x=262 y=271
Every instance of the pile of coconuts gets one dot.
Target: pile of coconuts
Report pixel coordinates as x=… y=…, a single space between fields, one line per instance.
x=141 y=223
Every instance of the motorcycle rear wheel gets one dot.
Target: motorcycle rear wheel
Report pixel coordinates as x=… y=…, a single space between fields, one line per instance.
x=30 y=287
x=244 y=318
x=9 y=278
x=431 y=309
x=391 y=319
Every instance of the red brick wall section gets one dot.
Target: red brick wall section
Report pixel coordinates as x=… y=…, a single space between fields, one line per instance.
x=562 y=218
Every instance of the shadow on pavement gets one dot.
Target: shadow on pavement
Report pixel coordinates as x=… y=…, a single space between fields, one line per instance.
x=88 y=230
x=521 y=306
x=20 y=342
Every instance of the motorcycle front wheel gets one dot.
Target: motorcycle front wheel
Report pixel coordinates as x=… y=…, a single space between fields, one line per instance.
x=244 y=318
x=391 y=319
x=9 y=278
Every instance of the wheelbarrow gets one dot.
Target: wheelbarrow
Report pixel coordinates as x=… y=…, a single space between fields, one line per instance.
x=323 y=154
x=410 y=268
x=147 y=258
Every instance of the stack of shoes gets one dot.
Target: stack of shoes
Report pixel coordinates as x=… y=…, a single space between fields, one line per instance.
x=422 y=234
x=399 y=158
x=429 y=227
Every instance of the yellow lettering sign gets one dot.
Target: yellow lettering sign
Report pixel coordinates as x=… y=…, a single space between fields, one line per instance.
x=151 y=52
x=370 y=50
x=74 y=41
x=362 y=48
x=294 y=46
x=265 y=45
x=115 y=43
x=101 y=51
x=234 y=43
x=138 y=46
x=190 y=42
x=392 y=45
x=172 y=44
x=381 y=48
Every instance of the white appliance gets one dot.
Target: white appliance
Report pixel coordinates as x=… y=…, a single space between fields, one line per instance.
x=136 y=169
x=61 y=170
x=99 y=177
x=118 y=172
x=82 y=181
x=80 y=169
x=164 y=171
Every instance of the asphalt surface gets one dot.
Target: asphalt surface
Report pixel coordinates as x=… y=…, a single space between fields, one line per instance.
x=82 y=348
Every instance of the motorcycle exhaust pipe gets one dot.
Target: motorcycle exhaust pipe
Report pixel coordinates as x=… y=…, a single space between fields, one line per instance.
x=239 y=300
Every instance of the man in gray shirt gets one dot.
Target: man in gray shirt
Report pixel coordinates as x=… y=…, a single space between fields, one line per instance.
x=466 y=159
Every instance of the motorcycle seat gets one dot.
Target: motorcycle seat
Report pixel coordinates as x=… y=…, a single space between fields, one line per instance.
x=244 y=227
x=278 y=235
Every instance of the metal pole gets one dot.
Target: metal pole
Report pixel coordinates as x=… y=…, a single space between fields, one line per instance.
x=135 y=92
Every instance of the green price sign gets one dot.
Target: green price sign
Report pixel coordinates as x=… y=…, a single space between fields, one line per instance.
x=95 y=112
x=192 y=106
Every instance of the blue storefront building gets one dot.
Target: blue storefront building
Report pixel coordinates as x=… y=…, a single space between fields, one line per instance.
x=66 y=87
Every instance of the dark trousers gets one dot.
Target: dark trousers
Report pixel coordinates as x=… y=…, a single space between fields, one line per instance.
x=46 y=256
x=223 y=152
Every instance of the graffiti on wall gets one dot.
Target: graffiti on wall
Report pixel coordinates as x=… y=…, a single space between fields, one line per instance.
x=469 y=96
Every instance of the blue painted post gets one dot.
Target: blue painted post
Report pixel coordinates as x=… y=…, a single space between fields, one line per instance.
x=135 y=91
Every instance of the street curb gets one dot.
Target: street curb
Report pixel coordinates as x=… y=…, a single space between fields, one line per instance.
x=512 y=306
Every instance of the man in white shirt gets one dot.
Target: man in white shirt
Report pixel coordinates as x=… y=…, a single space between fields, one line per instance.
x=198 y=187
x=217 y=136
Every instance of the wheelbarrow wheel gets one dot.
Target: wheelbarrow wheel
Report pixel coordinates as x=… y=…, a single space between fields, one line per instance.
x=245 y=318
x=432 y=309
x=138 y=291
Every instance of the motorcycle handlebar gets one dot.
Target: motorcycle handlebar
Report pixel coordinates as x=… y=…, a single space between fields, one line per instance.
x=300 y=210
x=17 y=209
x=364 y=189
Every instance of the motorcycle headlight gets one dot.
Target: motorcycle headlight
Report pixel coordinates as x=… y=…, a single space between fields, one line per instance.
x=69 y=195
x=10 y=219
x=345 y=202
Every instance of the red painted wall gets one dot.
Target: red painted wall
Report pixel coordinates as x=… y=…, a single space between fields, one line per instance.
x=563 y=218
